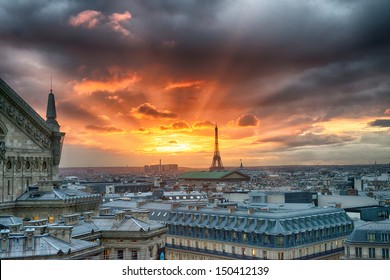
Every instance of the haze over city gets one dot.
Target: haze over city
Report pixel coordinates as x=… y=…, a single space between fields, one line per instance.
x=287 y=82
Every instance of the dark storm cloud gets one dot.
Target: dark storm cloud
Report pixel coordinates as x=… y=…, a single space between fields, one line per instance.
x=149 y=110
x=248 y=120
x=335 y=49
x=309 y=139
x=75 y=111
x=380 y=123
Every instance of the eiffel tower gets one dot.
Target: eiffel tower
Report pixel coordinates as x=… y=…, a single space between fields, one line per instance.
x=217 y=162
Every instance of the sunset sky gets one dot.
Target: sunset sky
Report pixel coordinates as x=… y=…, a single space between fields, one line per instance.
x=287 y=82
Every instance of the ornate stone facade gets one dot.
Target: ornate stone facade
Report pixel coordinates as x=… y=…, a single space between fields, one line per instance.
x=30 y=150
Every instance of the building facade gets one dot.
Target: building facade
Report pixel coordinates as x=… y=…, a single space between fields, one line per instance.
x=275 y=232
x=30 y=147
x=371 y=237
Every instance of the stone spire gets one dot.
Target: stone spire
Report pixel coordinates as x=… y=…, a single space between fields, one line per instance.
x=51 y=114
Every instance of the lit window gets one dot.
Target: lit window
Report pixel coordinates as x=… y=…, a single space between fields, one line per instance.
x=371 y=237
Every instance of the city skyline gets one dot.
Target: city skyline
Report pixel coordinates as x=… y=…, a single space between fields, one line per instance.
x=287 y=83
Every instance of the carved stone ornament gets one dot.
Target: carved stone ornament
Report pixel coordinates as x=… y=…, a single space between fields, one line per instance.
x=24 y=123
x=3 y=150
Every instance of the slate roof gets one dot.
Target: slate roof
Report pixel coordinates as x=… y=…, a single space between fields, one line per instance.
x=362 y=229
x=44 y=246
x=128 y=223
x=270 y=221
x=54 y=194
x=7 y=221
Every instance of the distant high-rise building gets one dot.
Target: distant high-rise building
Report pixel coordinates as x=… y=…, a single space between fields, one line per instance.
x=217 y=161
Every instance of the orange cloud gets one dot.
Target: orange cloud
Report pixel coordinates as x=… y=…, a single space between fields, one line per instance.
x=87 y=18
x=202 y=124
x=113 y=84
x=104 y=129
x=184 y=84
x=387 y=112
x=179 y=125
x=150 y=111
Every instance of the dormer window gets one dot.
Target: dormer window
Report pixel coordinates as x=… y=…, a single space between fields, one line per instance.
x=371 y=237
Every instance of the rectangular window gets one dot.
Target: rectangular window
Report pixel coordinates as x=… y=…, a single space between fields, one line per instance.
x=243 y=251
x=9 y=187
x=385 y=253
x=233 y=250
x=253 y=252
x=280 y=255
x=371 y=253
x=120 y=254
x=265 y=255
x=385 y=237
x=358 y=252
x=134 y=255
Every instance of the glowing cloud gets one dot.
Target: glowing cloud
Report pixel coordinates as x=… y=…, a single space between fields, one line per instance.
x=112 y=84
x=117 y=21
x=87 y=18
x=202 y=124
x=179 y=125
x=105 y=129
x=184 y=84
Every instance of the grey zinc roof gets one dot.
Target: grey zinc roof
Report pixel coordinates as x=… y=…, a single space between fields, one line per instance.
x=10 y=221
x=54 y=194
x=84 y=227
x=109 y=223
x=44 y=245
x=361 y=230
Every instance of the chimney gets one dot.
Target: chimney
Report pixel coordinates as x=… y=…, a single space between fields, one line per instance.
x=29 y=234
x=71 y=219
x=141 y=215
x=4 y=239
x=175 y=205
x=87 y=216
x=231 y=209
x=104 y=211
x=119 y=215
x=61 y=232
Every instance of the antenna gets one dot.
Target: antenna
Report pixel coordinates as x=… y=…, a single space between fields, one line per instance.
x=51 y=83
